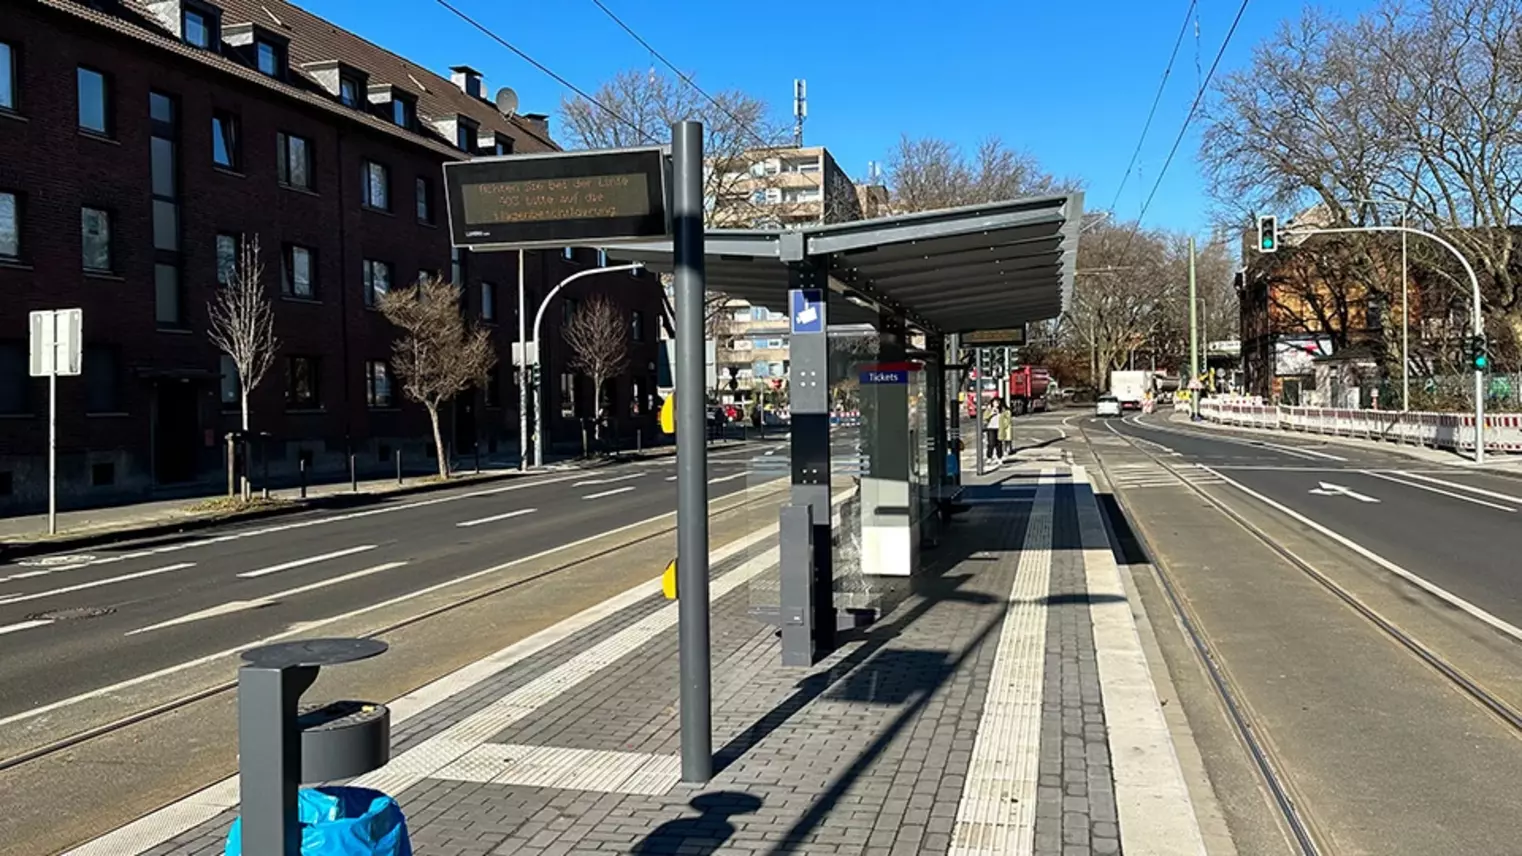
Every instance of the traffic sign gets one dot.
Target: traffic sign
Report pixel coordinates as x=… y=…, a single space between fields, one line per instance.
x=57 y=342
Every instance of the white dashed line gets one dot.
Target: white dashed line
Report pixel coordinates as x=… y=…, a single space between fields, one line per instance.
x=25 y=625
x=615 y=490
x=20 y=598
x=495 y=517
x=310 y=560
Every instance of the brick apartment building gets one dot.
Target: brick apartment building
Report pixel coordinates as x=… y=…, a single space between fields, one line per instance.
x=139 y=139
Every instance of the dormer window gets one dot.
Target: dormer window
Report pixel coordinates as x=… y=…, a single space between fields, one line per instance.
x=348 y=91
x=197 y=28
x=269 y=58
x=402 y=113
x=465 y=134
x=340 y=80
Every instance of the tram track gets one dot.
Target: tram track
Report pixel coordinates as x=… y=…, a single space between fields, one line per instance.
x=1299 y=823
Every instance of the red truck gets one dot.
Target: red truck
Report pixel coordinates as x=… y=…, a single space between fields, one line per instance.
x=1025 y=392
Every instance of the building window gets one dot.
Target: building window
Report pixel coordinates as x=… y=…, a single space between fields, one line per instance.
x=493 y=389
x=230 y=390
x=301 y=383
x=8 y=75
x=377 y=280
x=300 y=273
x=197 y=29
x=488 y=302
x=378 y=384
x=401 y=112
x=568 y=307
x=376 y=183
x=95 y=230
x=569 y=253
x=166 y=296
x=269 y=58
x=348 y=91
x=424 y=201
x=226 y=145
x=15 y=379
x=465 y=136
x=103 y=382
x=457 y=266
x=94 y=101
x=568 y=395
x=294 y=160
x=161 y=110
x=227 y=258
x=10 y=226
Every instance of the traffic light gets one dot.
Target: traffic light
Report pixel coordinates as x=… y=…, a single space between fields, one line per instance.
x=1479 y=356
x=1268 y=234
x=533 y=375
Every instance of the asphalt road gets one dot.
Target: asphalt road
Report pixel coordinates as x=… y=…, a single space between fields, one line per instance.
x=71 y=625
x=1454 y=527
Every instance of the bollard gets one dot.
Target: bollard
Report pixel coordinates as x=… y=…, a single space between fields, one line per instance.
x=232 y=466
x=353 y=474
x=478 y=457
x=398 y=466
x=303 y=462
x=282 y=743
x=639 y=439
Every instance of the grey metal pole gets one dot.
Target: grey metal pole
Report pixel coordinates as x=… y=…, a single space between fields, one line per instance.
x=1194 y=338
x=523 y=391
x=691 y=452
x=1405 y=323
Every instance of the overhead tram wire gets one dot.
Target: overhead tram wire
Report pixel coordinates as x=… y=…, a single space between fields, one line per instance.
x=1156 y=99
x=547 y=70
x=687 y=79
x=1184 y=128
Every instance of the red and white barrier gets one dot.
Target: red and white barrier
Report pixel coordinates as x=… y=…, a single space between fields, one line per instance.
x=1503 y=431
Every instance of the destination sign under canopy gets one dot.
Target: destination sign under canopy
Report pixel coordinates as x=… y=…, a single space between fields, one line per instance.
x=986 y=338
x=557 y=199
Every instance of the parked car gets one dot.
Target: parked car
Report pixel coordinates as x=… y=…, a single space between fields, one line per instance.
x=1108 y=405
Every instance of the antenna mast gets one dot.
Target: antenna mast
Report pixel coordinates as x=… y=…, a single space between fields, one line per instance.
x=800 y=109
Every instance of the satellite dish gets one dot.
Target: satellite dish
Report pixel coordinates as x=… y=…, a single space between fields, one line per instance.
x=507 y=101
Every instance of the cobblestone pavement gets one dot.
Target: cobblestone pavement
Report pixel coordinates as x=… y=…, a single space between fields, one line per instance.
x=885 y=747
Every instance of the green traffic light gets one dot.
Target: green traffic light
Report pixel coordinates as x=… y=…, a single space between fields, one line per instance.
x=1268 y=243
x=1481 y=362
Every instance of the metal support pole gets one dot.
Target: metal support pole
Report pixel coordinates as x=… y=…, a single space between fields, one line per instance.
x=302 y=464
x=977 y=402
x=398 y=455
x=691 y=455
x=1405 y=323
x=796 y=597
x=523 y=391
x=953 y=352
x=269 y=757
x=1194 y=339
x=353 y=474
x=809 y=381
x=53 y=435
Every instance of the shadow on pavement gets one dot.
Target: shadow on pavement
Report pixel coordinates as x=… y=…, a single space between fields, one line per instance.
x=701 y=835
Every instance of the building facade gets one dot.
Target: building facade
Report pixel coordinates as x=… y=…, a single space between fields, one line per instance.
x=142 y=143
x=783 y=187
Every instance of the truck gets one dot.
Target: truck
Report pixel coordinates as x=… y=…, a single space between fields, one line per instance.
x=1131 y=387
x=1027 y=389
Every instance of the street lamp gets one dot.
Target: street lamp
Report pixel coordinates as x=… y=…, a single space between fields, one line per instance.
x=534 y=347
x=1405 y=311
x=1477 y=319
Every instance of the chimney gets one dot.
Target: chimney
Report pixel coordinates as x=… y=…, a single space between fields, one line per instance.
x=467 y=79
x=538 y=122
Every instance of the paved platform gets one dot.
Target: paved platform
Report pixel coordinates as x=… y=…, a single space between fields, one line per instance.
x=1002 y=706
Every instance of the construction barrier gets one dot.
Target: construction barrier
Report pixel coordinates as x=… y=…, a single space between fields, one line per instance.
x=1503 y=431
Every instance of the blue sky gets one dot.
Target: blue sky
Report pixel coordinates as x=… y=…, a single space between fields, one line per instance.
x=1069 y=81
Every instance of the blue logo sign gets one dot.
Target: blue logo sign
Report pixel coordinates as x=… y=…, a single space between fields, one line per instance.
x=806 y=310
x=895 y=376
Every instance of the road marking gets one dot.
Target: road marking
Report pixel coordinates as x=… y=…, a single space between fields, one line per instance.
x=614 y=491
x=728 y=478
x=25 y=625
x=310 y=560
x=670 y=478
x=495 y=517
x=267 y=600
x=1460 y=486
x=1439 y=490
x=1338 y=490
x=1431 y=588
x=1301 y=450
x=320 y=521
x=607 y=481
x=21 y=598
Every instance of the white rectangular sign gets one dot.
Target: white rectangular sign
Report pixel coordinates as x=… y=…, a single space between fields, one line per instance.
x=57 y=342
x=533 y=353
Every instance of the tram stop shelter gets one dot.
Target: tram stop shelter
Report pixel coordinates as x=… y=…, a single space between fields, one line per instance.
x=932 y=276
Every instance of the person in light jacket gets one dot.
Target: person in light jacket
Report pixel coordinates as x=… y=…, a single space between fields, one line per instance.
x=1006 y=432
x=991 y=428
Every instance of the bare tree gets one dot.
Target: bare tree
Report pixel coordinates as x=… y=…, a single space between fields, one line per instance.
x=929 y=173
x=598 y=335
x=439 y=354
x=1416 y=102
x=241 y=324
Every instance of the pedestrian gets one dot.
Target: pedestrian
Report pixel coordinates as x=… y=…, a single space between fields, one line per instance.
x=991 y=428
x=1006 y=432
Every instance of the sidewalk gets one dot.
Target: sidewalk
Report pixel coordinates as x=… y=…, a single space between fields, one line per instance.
x=1003 y=705
x=26 y=534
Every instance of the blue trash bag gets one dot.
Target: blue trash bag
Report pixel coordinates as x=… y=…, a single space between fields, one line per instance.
x=338 y=821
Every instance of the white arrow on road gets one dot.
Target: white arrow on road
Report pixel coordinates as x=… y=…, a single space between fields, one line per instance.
x=1338 y=490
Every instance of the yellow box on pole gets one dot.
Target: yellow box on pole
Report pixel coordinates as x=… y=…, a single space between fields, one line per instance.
x=668 y=581
x=668 y=414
